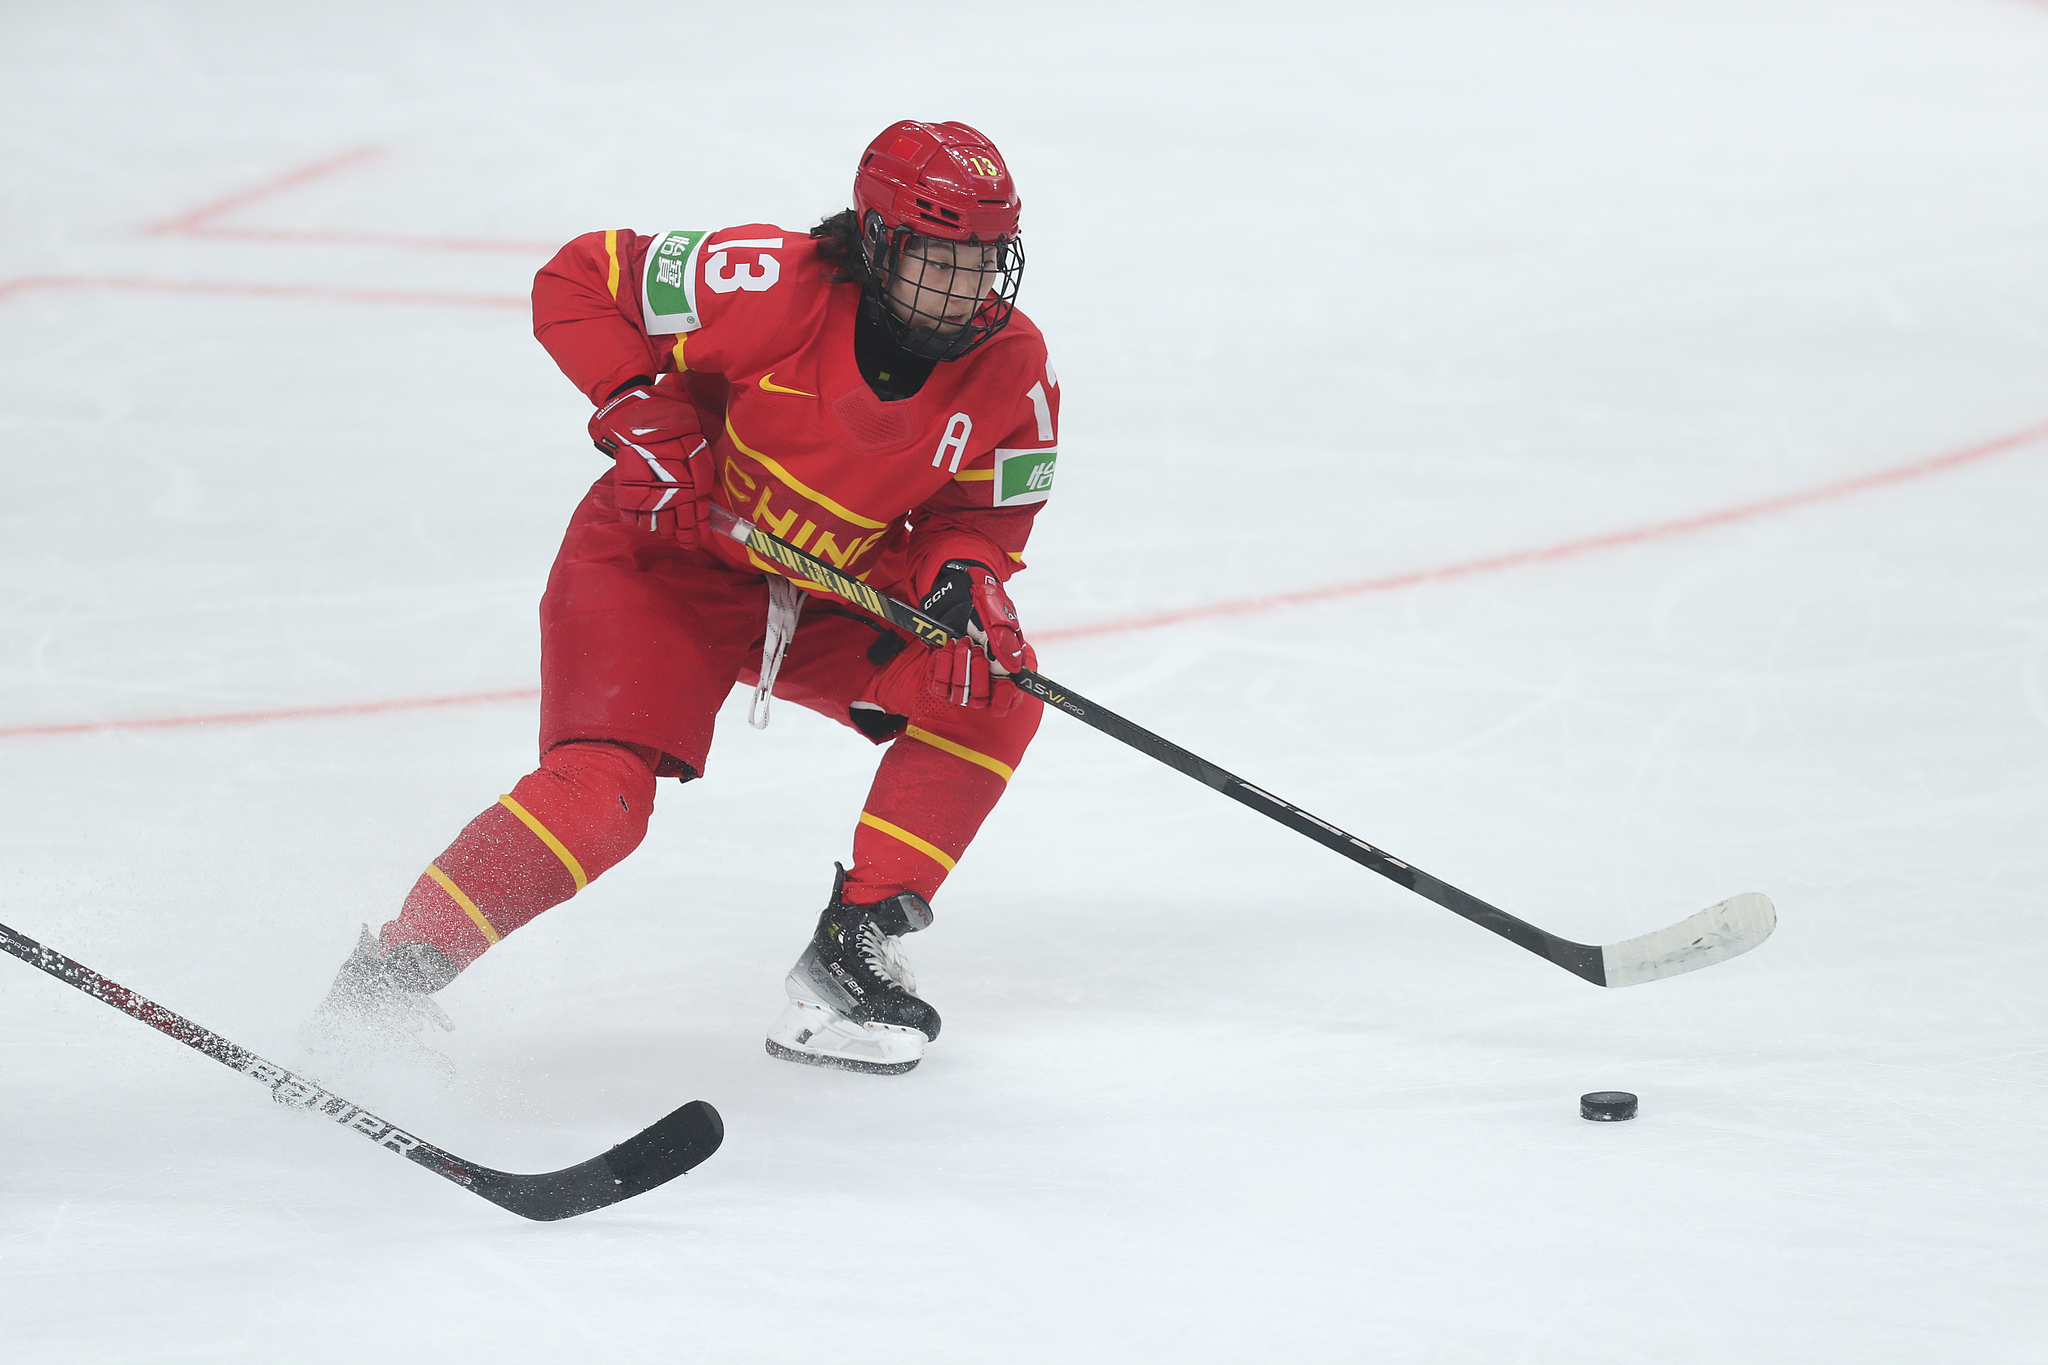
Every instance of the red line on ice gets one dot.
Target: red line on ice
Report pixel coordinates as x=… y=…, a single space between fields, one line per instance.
x=323 y=238
x=195 y=218
x=422 y=297
x=199 y=222
x=1657 y=530
x=359 y=708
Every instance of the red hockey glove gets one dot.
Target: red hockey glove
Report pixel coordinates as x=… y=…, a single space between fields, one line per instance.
x=968 y=599
x=656 y=440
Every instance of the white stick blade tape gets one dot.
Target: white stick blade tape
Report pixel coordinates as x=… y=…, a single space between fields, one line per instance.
x=1713 y=935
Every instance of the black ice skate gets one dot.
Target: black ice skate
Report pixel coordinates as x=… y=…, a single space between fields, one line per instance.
x=383 y=1003
x=852 y=1001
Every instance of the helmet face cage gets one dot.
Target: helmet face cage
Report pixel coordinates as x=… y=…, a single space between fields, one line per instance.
x=915 y=282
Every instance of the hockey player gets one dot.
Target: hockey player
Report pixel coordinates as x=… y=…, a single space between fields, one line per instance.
x=866 y=390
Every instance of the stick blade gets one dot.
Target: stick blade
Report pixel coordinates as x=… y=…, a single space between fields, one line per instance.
x=1715 y=934
x=650 y=1158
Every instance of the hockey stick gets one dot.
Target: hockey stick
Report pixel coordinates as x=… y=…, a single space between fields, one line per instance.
x=654 y=1156
x=1713 y=935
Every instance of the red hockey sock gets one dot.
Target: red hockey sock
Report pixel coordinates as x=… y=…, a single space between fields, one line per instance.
x=929 y=797
x=567 y=822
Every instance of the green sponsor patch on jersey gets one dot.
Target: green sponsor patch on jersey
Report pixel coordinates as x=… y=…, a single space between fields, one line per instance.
x=1024 y=476
x=668 y=289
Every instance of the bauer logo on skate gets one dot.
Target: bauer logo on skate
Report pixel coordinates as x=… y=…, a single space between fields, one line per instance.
x=288 y=1089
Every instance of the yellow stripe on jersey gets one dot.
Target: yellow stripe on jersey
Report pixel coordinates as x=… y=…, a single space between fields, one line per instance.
x=681 y=364
x=896 y=832
x=542 y=832
x=611 y=249
x=468 y=906
x=1002 y=770
x=974 y=476
x=813 y=494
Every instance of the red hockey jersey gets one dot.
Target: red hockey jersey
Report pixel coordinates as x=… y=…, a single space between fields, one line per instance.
x=747 y=321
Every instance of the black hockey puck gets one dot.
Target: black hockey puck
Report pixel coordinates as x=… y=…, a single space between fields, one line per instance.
x=1607 y=1106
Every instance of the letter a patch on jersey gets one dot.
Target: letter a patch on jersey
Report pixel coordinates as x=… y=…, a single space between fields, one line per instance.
x=1024 y=476
x=668 y=291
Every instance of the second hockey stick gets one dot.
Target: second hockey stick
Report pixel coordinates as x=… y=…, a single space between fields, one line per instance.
x=1713 y=935
x=654 y=1156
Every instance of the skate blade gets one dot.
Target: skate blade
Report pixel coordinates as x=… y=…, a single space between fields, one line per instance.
x=809 y=1032
x=790 y=1054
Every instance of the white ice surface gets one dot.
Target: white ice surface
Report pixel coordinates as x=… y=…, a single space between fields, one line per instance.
x=1335 y=292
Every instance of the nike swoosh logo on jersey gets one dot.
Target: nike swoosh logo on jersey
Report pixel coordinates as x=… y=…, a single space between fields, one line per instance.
x=777 y=388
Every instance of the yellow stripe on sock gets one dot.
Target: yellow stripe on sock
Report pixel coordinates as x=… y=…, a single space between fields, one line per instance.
x=1002 y=770
x=611 y=249
x=897 y=832
x=469 y=906
x=554 y=844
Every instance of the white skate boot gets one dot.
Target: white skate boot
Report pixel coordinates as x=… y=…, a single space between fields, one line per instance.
x=852 y=1001
x=379 y=1007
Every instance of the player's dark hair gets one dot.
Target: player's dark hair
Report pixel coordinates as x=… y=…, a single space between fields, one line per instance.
x=838 y=239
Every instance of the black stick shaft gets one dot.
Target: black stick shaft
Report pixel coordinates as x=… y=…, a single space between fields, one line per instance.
x=650 y=1158
x=285 y=1087
x=1580 y=959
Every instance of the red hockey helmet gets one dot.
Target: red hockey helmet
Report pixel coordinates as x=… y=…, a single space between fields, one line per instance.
x=938 y=213
x=939 y=180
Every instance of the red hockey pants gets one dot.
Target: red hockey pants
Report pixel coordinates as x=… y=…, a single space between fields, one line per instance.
x=641 y=642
